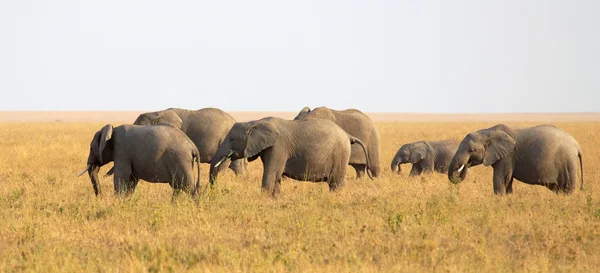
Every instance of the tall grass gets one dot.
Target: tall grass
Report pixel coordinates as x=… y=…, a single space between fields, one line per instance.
x=50 y=220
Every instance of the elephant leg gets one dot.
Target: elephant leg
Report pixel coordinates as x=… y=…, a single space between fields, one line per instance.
x=125 y=186
x=131 y=184
x=509 y=189
x=360 y=170
x=272 y=171
x=427 y=165
x=271 y=180
x=374 y=169
x=122 y=178
x=553 y=187
x=183 y=182
x=568 y=178
x=239 y=166
x=276 y=187
x=416 y=169
x=502 y=176
x=337 y=179
x=118 y=184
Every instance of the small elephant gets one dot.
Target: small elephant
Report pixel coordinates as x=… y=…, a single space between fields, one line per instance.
x=426 y=156
x=156 y=153
x=357 y=124
x=206 y=127
x=541 y=155
x=308 y=150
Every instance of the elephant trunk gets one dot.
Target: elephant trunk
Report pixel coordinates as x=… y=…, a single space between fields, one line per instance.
x=217 y=164
x=213 y=172
x=93 y=173
x=457 y=170
x=396 y=162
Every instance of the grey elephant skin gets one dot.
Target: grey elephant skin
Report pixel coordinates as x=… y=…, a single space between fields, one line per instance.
x=357 y=124
x=541 y=155
x=206 y=127
x=157 y=153
x=308 y=150
x=425 y=156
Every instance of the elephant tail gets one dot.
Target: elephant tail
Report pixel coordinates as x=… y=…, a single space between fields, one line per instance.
x=196 y=154
x=581 y=167
x=356 y=140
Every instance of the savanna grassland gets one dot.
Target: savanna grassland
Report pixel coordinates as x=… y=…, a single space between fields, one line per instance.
x=50 y=220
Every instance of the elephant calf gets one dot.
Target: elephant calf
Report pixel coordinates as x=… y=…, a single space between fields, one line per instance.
x=156 y=153
x=541 y=155
x=425 y=156
x=309 y=150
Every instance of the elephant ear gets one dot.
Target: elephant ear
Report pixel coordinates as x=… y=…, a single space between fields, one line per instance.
x=260 y=136
x=105 y=136
x=302 y=113
x=305 y=110
x=500 y=145
x=146 y=118
x=418 y=153
x=169 y=117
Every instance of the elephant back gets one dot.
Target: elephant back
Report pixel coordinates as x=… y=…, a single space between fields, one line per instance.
x=360 y=125
x=206 y=128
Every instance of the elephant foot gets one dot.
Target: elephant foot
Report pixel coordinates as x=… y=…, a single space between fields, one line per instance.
x=360 y=170
x=333 y=187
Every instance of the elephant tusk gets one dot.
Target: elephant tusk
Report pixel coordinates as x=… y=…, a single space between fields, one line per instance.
x=223 y=159
x=220 y=161
x=461 y=168
x=86 y=169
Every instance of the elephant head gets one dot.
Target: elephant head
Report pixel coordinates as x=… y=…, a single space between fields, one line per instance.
x=244 y=140
x=485 y=146
x=168 y=116
x=101 y=153
x=409 y=153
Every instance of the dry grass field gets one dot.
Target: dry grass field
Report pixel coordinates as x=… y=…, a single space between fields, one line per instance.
x=50 y=220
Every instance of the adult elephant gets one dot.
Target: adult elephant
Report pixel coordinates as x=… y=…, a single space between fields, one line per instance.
x=541 y=155
x=206 y=128
x=425 y=156
x=357 y=124
x=308 y=150
x=158 y=153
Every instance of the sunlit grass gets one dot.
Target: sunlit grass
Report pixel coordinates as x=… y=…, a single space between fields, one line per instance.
x=50 y=220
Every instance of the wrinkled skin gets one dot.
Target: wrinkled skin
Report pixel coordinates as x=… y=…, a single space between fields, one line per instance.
x=157 y=153
x=309 y=150
x=357 y=124
x=541 y=155
x=206 y=127
x=425 y=156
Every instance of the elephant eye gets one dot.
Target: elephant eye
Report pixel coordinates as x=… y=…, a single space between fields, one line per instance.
x=472 y=150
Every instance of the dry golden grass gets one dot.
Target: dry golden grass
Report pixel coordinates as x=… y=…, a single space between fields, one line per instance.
x=50 y=220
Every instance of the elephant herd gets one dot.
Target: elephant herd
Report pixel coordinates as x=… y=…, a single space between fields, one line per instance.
x=317 y=146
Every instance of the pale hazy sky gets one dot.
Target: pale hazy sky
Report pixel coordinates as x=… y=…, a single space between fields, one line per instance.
x=385 y=56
